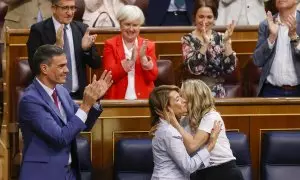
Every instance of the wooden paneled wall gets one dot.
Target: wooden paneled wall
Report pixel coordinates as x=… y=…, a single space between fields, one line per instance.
x=122 y=119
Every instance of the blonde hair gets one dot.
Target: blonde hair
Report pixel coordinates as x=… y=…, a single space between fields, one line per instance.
x=199 y=101
x=130 y=13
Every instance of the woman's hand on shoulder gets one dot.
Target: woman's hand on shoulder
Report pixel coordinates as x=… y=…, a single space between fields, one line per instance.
x=214 y=135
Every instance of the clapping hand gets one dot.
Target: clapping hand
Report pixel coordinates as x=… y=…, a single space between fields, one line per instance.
x=292 y=24
x=143 y=49
x=229 y=31
x=204 y=34
x=273 y=27
x=60 y=36
x=88 y=40
x=95 y=90
x=104 y=82
x=134 y=53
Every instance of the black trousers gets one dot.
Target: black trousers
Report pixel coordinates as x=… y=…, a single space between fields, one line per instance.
x=226 y=171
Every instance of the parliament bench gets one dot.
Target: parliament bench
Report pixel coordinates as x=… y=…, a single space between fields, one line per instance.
x=280 y=155
x=133 y=159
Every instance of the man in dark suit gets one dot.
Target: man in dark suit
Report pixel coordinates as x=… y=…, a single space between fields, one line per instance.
x=169 y=13
x=73 y=37
x=50 y=120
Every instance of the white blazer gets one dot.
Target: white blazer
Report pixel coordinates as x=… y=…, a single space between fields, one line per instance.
x=232 y=9
x=93 y=9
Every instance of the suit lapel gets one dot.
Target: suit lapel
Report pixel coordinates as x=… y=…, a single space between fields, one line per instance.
x=47 y=98
x=64 y=101
x=120 y=48
x=77 y=36
x=298 y=22
x=49 y=30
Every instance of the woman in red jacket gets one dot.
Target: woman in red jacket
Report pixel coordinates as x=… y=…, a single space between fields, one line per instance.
x=130 y=57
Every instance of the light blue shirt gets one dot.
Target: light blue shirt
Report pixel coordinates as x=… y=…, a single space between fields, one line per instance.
x=171 y=160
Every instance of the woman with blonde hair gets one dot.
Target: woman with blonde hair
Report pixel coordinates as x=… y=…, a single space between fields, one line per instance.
x=171 y=160
x=198 y=124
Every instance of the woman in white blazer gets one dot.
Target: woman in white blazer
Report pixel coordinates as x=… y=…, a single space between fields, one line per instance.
x=243 y=12
x=102 y=13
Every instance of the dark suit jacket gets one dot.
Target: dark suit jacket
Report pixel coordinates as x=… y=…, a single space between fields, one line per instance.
x=44 y=33
x=48 y=140
x=264 y=56
x=157 y=10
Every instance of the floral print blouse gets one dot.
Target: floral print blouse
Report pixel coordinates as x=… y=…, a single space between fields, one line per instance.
x=213 y=64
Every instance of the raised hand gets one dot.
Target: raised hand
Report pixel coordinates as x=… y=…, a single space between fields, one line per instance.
x=88 y=40
x=104 y=83
x=60 y=36
x=95 y=90
x=273 y=27
x=128 y=65
x=90 y=95
x=143 y=49
x=229 y=31
x=292 y=24
x=134 y=53
x=170 y=116
x=205 y=35
x=214 y=135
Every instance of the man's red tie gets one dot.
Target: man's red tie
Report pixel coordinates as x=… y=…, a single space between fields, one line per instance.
x=54 y=95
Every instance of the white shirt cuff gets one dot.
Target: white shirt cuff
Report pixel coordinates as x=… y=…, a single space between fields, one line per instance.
x=97 y=106
x=205 y=156
x=81 y=115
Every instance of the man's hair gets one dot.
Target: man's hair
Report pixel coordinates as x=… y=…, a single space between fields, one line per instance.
x=44 y=55
x=54 y=1
x=57 y=1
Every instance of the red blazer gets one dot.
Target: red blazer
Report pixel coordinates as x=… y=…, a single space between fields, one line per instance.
x=113 y=54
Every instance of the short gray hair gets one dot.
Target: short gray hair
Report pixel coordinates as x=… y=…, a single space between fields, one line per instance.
x=130 y=13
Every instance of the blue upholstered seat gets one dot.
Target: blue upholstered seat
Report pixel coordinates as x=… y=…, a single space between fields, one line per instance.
x=280 y=156
x=134 y=158
x=240 y=148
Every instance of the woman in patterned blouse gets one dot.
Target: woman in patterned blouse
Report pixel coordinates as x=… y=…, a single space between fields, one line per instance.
x=207 y=53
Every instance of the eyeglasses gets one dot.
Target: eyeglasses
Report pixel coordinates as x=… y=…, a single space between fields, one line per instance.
x=129 y=25
x=67 y=8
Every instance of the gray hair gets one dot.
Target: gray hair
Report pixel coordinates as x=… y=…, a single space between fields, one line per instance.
x=130 y=13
